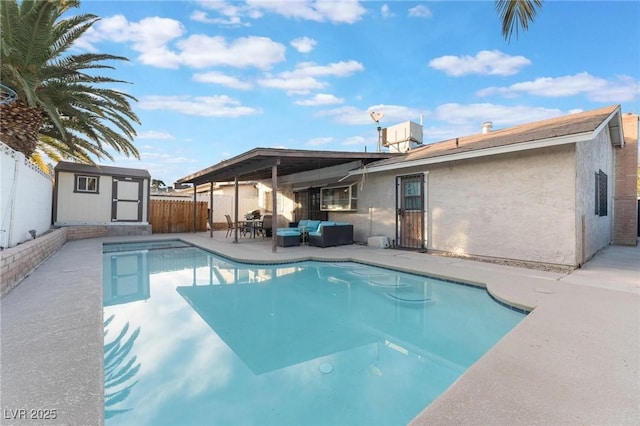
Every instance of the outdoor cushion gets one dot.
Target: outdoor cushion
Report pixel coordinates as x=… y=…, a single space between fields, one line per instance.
x=288 y=233
x=312 y=224
x=325 y=223
x=302 y=223
x=315 y=233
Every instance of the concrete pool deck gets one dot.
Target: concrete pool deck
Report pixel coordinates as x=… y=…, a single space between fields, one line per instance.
x=574 y=360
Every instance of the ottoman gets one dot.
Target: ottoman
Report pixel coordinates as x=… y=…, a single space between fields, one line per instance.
x=288 y=238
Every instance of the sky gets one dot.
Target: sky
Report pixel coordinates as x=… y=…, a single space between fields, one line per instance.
x=214 y=79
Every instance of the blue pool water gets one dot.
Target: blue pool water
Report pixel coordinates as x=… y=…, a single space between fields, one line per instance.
x=196 y=339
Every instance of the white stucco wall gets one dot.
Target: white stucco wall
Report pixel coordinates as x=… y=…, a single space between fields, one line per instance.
x=376 y=208
x=514 y=206
x=594 y=232
x=82 y=208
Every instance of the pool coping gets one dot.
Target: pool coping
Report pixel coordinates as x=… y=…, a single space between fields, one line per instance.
x=542 y=372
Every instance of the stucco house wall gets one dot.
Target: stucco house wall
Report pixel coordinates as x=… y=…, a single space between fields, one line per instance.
x=519 y=205
x=515 y=206
x=593 y=232
x=376 y=208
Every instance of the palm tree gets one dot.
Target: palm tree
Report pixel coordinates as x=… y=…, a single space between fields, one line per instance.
x=515 y=14
x=60 y=107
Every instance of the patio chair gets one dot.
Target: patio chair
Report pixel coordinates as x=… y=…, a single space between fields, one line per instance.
x=230 y=225
x=265 y=228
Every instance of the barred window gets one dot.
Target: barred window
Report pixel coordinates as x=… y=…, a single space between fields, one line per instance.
x=601 y=193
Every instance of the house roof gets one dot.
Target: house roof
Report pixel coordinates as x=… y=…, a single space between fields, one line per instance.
x=256 y=164
x=97 y=169
x=566 y=129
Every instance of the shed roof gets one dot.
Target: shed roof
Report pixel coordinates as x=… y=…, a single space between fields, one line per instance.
x=256 y=164
x=554 y=131
x=97 y=169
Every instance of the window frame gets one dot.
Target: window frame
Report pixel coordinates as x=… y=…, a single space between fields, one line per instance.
x=331 y=203
x=76 y=183
x=601 y=194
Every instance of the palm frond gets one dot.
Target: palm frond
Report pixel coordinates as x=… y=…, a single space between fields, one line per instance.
x=516 y=14
x=83 y=117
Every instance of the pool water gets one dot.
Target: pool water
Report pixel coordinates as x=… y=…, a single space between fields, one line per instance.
x=192 y=338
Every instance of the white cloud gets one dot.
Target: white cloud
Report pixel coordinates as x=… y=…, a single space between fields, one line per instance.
x=201 y=16
x=304 y=44
x=336 y=69
x=151 y=37
x=222 y=79
x=623 y=89
x=155 y=134
x=233 y=13
x=204 y=106
x=321 y=99
x=420 y=11
x=385 y=11
x=340 y=12
x=319 y=141
x=204 y=51
x=293 y=85
x=486 y=62
x=302 y=80
x=354 y=140
x=474 y=115
x=393 y=114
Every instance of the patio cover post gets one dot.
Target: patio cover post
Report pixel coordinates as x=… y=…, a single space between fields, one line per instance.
x=235 y=210
x=211 y=209
x=274 y=216
x=195 y=205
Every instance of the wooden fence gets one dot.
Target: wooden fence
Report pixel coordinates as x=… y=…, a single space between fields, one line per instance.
x=169 y=216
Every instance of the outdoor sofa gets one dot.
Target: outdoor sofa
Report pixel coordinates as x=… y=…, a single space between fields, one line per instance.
x=318 y=233
x=331 y=234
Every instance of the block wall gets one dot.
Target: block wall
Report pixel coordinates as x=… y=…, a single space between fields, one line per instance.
x=18 y=262
x=625 y=199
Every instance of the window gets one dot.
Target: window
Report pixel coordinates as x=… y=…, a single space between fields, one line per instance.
x=339 y=198
x=413 y=195
x=601 y=193
x=86 y=184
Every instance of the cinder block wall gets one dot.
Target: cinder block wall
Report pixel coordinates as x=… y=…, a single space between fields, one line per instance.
x=18 y=262
x=82 y=232
x=625 y=199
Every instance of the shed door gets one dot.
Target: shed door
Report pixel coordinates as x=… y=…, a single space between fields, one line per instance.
x=410 y=211
x=127 y=200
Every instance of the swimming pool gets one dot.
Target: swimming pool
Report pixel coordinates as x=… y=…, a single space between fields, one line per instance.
x=194 y=338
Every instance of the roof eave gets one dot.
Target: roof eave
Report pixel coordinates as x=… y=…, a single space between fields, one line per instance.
x=614 y=122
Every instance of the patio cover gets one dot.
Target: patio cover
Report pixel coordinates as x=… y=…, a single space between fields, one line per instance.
x=269 y=163
x=257 y=164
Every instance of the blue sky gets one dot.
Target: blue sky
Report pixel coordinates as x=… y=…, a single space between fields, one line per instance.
x=214 y=79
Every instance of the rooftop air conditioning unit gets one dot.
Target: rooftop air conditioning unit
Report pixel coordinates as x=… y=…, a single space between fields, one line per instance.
x=402 y=137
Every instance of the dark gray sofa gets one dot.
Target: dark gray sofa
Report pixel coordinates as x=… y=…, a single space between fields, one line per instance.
x=332 y=234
